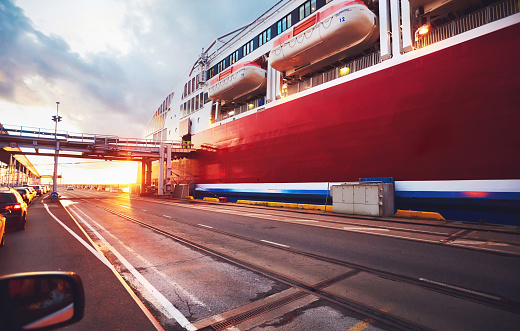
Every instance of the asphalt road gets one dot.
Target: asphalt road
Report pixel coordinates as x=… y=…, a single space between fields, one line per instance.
x=46 y=245
x=187 y=288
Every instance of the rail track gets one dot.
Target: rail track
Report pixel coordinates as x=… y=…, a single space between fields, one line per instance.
x=319 y=290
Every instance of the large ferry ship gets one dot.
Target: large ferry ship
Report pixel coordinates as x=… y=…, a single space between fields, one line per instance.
x=424 y=93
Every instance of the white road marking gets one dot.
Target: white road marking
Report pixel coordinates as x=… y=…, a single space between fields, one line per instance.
x=78 y=238
x=460 y=289
x=116 y=273
x=296 y=220
x=167 y=216
x=363 y=229
x=467 y=242
x=167 y=306
x=271 y=242
x=125 y=206
x=206 y=226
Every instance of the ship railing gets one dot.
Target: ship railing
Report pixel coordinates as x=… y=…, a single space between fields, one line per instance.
x=250 y=105
x=471 y=21
x=339 y=71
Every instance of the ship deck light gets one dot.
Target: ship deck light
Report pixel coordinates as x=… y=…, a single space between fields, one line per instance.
x=421 y=31
x=344 y=71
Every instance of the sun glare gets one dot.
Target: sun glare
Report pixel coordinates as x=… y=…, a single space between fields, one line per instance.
x=99 y=173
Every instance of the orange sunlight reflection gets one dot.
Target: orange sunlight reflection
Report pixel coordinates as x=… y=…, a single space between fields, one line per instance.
x=102 y=172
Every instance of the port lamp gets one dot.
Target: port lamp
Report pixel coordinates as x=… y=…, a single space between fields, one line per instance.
x=284 y=87
x=231 y=113
x=250 y=106
x=344 y=71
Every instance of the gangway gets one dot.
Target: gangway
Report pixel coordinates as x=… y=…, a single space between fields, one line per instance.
x=92 y=146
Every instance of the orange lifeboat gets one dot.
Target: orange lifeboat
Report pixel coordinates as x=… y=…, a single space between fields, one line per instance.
x=338 y=30
x=238 y=82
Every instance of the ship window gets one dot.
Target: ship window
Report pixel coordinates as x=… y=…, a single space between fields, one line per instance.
x=233 y=57
x=284 y=24
x=212 y=72
x=264 y=37
x=185 y=90
x=193 y=85
x=206 y=98
x=221 y=66
x=201 y=97
x=247 y=48
x=307 y=8
x=196 y=102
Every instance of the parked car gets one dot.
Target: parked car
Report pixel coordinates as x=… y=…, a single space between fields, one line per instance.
x=38 y=189
x=70 y=188
x=13 y=208
x=25 y=193
x=32 y=191
x=2 y=231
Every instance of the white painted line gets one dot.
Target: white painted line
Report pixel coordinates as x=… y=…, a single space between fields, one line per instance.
x=167 y=305
x=162 y=274
x=78 y=238
x=461 y=289
x=167 y=216
x=293 y=220
x=131 y=292
x=125 y=206
x=206 y=226
x=466 y=242
x=363 y=229
x=273 y=243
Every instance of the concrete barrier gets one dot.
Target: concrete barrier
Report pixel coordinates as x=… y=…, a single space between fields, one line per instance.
x=419 y=214
x=285 y=205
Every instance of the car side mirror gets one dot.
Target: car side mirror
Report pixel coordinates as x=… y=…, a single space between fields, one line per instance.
x=40 y=300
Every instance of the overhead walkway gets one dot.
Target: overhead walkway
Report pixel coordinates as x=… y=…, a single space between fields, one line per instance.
x=44 y=142
x=83 y=145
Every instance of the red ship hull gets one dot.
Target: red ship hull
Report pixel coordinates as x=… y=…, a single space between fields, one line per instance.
x=452 y=114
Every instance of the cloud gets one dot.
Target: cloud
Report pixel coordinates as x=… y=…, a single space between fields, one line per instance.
x=114 y=91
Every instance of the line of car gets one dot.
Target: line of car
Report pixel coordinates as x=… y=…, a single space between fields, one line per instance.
x=14 y=203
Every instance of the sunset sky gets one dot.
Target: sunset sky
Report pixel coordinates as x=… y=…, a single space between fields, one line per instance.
x=109 y=63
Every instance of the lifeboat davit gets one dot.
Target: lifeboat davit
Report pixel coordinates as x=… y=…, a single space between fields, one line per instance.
x=337 y=31
x=238 y=82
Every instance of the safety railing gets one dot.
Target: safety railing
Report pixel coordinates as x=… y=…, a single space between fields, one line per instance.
x=468 y=22
x=91 y=139
x=339 y=71
x=250 y=105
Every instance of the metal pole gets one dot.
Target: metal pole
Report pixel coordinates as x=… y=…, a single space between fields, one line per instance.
x=56 y=119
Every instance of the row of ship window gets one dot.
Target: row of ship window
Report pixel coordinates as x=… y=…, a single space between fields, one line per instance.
x=193 y=104
x=298 y=14
x=307 y=8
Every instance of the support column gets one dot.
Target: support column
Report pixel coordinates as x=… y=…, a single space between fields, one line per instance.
x=406 y=25
x=143 y=176
x=149 y=173
x=217 y=111
x=161 y=170
x=169 y=165
x=396 y=28
x=385 y=30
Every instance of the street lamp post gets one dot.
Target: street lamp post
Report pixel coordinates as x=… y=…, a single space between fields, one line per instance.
x=56 y=119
